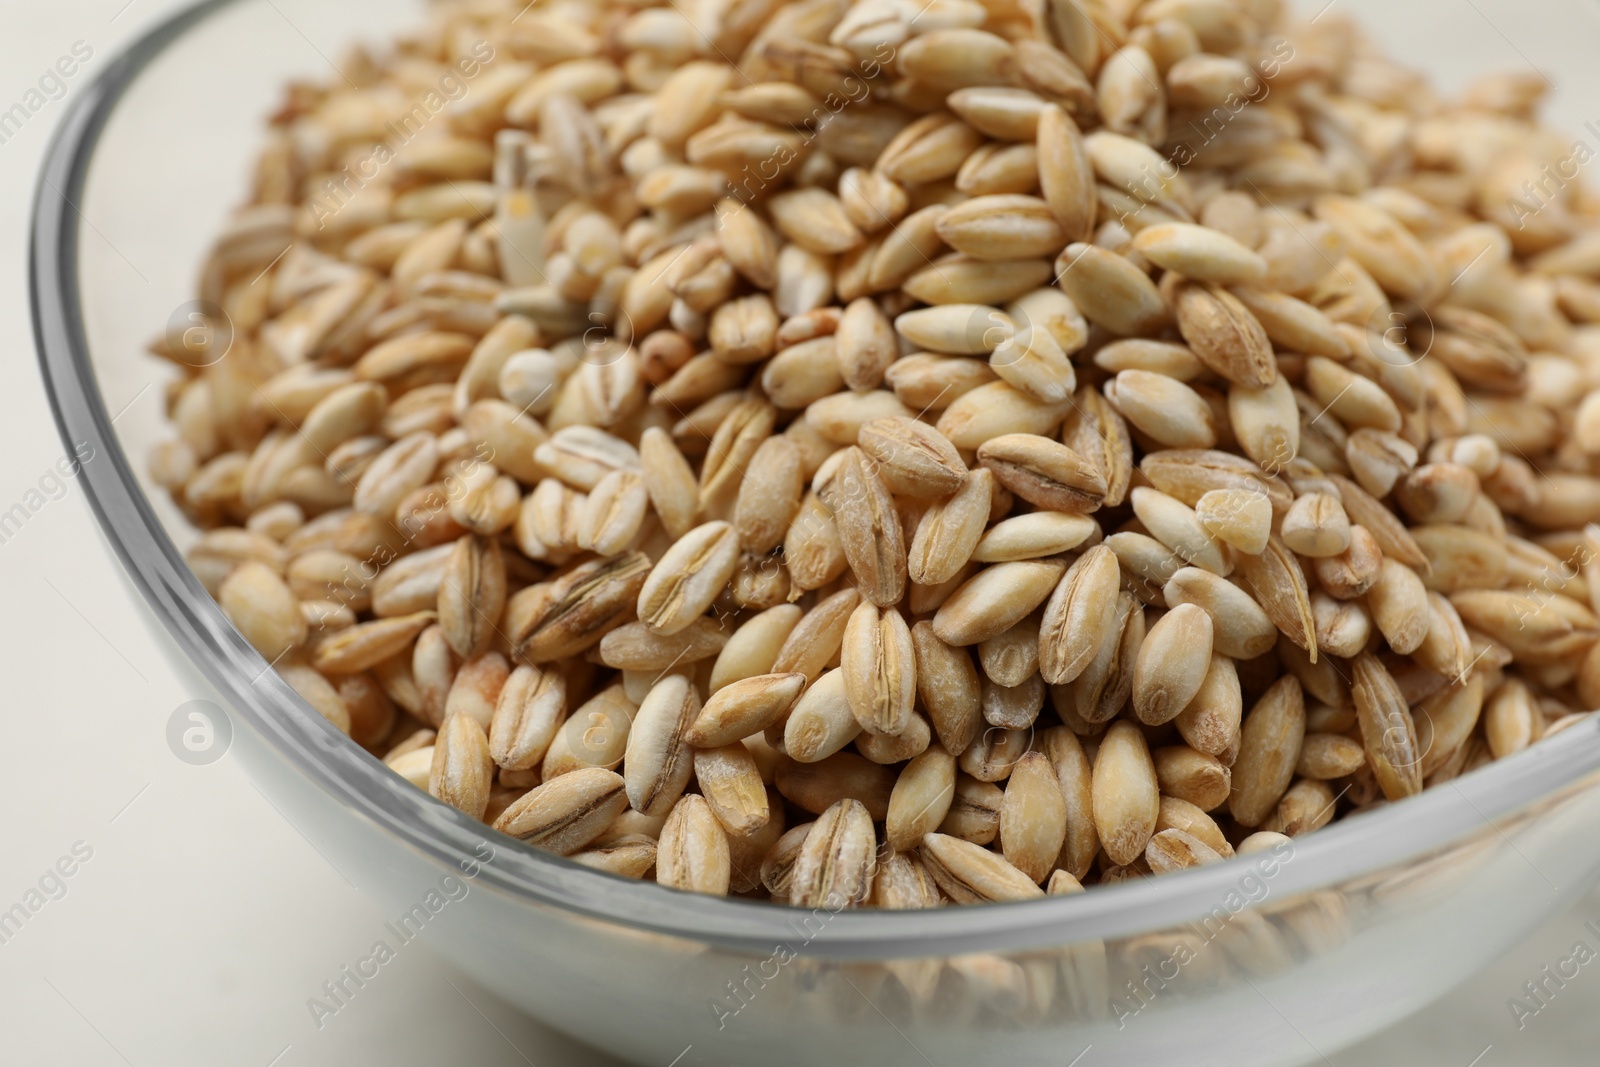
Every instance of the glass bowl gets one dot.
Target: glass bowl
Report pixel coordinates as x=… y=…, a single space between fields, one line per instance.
x=1261 y=960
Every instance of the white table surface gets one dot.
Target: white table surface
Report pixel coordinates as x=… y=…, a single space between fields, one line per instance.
x=202 y=922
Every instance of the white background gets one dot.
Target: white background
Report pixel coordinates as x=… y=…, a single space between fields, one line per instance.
x=203 y=922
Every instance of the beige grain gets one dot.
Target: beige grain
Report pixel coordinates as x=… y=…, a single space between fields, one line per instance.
x=693 y=852
x=968 y=873
x=879 y=668
x=1269 y=749
x=564 y=815
x=462 y=768
x=657 y=763
x=1172 y=664
x=836 y=862
x=1033 y=817
x=1126 y=795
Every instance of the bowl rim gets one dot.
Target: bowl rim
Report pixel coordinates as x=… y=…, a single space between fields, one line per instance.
x=1358 y=846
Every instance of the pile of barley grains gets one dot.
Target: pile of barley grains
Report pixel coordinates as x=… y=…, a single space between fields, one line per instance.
x=902 y=453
